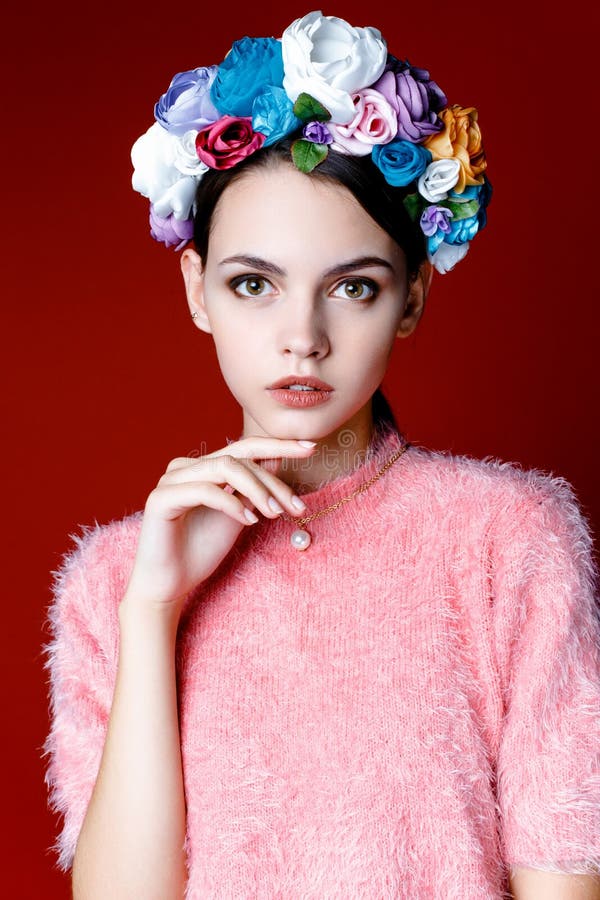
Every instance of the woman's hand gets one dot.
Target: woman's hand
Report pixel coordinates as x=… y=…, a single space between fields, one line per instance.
x=191 y=521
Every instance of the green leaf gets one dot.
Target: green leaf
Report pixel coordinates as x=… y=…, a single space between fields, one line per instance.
x=307 y=109
x=307 y=155
x=414 y=205
x=462 y=209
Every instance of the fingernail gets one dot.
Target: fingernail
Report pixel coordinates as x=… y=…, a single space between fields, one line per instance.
x=308 y=443
x=275 y=505
x=297 y=502
x=250 y=515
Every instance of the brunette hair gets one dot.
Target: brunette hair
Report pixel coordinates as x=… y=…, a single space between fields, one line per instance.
x=364 y=180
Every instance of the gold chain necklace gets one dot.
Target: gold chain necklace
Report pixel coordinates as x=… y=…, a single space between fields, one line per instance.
x=301 y=538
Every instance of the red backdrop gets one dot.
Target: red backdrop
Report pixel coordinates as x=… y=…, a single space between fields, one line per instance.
x=107 y=377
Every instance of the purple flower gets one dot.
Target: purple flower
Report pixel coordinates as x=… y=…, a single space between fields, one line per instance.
x=415 y=98
x=187 y=104
x=170 y=231
x=317 y=133
x=434 y=218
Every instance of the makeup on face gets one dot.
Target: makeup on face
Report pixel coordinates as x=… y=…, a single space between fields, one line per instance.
x=304 y=292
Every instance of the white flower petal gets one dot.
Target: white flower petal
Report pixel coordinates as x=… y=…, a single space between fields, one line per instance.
x=438 y=178
x=177 y=199
x=152 y=156
x=186 y=159
x=328 y=58
x=156 y=177
x=447 y=255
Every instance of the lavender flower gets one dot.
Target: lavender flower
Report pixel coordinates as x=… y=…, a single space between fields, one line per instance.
x=317 y=133
x=170 y=231
x=434 y=218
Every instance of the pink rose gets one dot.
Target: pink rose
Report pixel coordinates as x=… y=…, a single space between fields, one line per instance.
x=227 y=141
x=375 y=122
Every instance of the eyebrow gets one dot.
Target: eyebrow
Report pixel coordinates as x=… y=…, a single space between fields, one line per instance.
x=361 y=262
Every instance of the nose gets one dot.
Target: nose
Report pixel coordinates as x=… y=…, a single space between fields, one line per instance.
x=304 y=331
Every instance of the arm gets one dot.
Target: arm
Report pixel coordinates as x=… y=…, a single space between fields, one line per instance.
x=532 y=884
x=132 y=839
x=115 y=767
x=546 y=622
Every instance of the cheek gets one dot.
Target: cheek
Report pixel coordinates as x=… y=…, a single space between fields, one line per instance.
x=235 y=351
x=372 y=340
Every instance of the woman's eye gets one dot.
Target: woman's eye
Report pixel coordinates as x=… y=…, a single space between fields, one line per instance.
x=356 y=289
x=250 y=286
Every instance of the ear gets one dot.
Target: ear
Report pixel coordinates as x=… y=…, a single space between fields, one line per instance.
x=415 y=302
x=193 y=279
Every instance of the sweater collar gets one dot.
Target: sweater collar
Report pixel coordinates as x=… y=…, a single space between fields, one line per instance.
x=272 y=536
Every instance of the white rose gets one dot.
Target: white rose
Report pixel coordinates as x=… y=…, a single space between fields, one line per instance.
x=327 y=58
x=438 y=178
x=447 y=255
x=186 y=159
x=156 y=177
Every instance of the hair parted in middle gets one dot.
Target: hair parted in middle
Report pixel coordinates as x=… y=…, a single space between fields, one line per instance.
x=384 y=203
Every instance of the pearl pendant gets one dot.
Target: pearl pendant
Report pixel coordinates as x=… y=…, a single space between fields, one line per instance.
x=300 y=539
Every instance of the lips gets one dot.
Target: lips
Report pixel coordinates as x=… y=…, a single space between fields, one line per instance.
x=306 y=380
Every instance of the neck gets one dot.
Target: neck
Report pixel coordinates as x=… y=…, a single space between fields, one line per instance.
x=337 y=453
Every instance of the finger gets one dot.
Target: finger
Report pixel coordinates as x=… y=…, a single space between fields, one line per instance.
x=272 y=448
x=256 y=447
x=180 y=462
x=270 y=465
x=173 y=500
x=244 y=476
x=269 y=472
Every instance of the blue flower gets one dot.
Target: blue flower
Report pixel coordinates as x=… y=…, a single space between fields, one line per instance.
x=434 y=241
x=401 y=161
x=187 y=105
x=273 y=114
x=480 y=192
x=251 y=65
x=463 y=230
x=470 y=192
x=460 y=232
x=485 y=195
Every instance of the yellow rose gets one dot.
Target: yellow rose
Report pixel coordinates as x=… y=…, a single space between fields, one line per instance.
x=461 y=140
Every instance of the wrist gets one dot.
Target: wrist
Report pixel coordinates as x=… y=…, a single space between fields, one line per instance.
x=144 y=612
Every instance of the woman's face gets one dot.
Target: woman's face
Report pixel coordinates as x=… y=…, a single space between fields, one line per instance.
x=299 y=281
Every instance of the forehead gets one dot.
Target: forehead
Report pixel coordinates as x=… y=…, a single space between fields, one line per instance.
x=282 y=211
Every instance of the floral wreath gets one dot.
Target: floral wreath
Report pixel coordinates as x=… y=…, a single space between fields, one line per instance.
x=339 y=90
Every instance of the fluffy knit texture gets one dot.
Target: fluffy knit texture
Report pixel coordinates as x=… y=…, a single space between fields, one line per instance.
x=404 y=710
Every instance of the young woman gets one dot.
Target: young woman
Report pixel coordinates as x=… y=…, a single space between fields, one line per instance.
x=323 y=662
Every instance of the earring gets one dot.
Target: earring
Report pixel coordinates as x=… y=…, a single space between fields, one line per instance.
x=194 y=314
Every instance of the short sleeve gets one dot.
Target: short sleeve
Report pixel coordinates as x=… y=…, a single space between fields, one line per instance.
x=547 y=636
x=81 y=658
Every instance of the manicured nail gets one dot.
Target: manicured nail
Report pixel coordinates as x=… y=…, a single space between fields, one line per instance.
x=308 y=443
x=297 y=502
x=275 y=505
x=250 y=515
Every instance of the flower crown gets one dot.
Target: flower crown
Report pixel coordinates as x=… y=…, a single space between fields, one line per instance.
x=337 y=89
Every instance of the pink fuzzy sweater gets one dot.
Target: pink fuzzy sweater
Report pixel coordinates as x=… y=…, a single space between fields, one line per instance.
x=404 y=710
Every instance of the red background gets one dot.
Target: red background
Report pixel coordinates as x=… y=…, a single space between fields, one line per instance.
x=107 y=377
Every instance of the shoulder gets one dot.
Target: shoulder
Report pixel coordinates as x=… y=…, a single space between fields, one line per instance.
x=92 y=573
x=488 y=499
x=505 y=487
x=98 y=546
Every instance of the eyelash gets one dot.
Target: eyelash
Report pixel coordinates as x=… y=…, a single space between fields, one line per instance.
x=235 y=283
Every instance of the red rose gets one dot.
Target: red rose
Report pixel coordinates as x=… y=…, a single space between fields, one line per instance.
x=227 y=141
